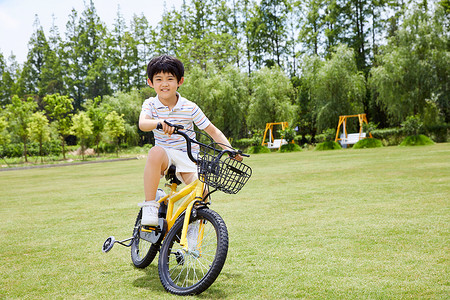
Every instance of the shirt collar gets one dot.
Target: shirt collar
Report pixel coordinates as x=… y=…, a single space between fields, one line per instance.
x=177 y=106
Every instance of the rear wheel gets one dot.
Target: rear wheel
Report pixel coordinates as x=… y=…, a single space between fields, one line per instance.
x=191 y=271
x=142 y=251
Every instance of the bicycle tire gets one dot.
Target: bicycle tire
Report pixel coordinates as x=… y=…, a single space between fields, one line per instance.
x=185 y=274
x=142 y=252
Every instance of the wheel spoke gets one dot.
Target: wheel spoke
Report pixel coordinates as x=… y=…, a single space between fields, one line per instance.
x=187 y=271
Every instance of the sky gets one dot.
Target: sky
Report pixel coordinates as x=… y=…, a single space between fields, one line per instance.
x=17 y=18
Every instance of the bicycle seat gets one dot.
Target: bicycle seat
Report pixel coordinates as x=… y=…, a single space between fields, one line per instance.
x=171 y=175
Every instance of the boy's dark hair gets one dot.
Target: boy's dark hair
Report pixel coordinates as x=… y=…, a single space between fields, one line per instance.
x=165 y=64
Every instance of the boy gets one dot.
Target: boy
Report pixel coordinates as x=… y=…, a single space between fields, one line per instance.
x=165 y=75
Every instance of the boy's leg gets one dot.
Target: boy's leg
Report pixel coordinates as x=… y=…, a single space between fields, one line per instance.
x=157 y=163
x=188 y=177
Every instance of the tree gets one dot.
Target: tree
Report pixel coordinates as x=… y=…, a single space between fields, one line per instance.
x=274 y=13
x=19 y=114
x=6 y=83
x=115 y=127
x=339 y=88
x=59 y=108
x=414 y=68
x=83 y=53
x=82 y=129
x=96 y=114
x=272 y=97
x=31 y=80
x=306 y=116
x=39 y=130
x=5 y=137
x=222 y=96
x=311 y=28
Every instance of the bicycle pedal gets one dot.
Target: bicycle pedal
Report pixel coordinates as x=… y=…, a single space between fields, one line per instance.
x=146 y=228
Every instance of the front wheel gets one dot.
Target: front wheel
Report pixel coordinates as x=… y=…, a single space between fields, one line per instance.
x=191 y=270
x=142 y=251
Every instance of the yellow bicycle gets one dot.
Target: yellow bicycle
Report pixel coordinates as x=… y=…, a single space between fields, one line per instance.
x=192 y=239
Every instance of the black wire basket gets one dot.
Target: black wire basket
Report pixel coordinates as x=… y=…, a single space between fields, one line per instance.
x=223 y=173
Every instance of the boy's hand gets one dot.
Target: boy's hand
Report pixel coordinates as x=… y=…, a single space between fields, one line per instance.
x=167 y=129
x=238 y=157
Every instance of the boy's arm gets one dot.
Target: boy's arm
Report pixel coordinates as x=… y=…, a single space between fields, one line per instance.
x=220 y=138
x=146 y=123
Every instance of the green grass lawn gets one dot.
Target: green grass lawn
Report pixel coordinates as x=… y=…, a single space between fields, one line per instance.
x=369 y=223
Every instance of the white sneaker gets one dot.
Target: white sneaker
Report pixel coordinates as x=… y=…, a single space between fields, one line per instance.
x=192 y=235
x=149 y=213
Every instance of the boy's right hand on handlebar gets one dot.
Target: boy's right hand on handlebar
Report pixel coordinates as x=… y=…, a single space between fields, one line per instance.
x=166 y=127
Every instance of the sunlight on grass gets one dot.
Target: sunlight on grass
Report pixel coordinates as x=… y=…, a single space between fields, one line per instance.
x=354 y=223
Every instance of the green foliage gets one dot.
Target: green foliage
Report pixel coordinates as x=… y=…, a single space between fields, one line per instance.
x=389 y=136
x=412 y=125
x=288 y=134
x=412 y=65
x=59 y=108
x=222 y=96
x=338 y=89
x=258 y=149
x=39 y=130
x=291 y=147
x=329 y=145
x=115 y=127
x=5 y=136
x=272 y=97
x=368 y=143
x=82 y=128
x=18 y=115
x=417 y=140
x=439 y=133
x=97 y=114
x=33 y=149
x=218 y=40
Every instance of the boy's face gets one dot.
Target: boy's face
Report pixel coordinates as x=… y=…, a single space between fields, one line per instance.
x=165 y=85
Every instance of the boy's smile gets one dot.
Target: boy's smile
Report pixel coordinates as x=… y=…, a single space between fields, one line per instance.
x=166 y=85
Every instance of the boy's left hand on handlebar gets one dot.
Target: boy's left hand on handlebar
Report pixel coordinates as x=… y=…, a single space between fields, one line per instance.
x=238 y=157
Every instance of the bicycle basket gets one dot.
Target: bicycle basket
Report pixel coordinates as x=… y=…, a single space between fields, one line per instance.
x=226 y=174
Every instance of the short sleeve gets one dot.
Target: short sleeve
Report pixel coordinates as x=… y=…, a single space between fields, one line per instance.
x=200 y=118
x=147 y=108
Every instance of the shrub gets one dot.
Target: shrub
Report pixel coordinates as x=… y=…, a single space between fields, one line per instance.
x=412 y=125
x=258 y=149
x=244 y=143
x=330 y=145
x=438 y=132
x=288 y=134
x=368 y=143
x=417 y=140
x=290 y=148
x=389 y=136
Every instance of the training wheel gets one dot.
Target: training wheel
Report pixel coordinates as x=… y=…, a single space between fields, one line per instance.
x=108 y=244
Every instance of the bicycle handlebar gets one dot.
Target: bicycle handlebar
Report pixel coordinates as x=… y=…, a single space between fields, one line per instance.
x=189 y=141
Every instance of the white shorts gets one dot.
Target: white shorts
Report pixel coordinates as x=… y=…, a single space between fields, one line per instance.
x=181 y=160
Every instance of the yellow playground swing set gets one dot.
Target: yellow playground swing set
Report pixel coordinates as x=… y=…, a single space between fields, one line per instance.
x=350 y=138
x=274 y=143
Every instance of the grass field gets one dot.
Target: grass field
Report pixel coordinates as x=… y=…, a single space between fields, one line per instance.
x=370 y=223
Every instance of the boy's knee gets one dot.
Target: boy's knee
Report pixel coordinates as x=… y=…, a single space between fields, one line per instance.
x=157 y=155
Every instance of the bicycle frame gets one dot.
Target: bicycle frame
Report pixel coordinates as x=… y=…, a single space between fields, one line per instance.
x=190 y=193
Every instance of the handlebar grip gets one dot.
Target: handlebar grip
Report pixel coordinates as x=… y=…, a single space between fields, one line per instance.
x=176 y=126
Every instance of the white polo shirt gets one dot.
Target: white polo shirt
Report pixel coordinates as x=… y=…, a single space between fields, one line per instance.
x=185 y=113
